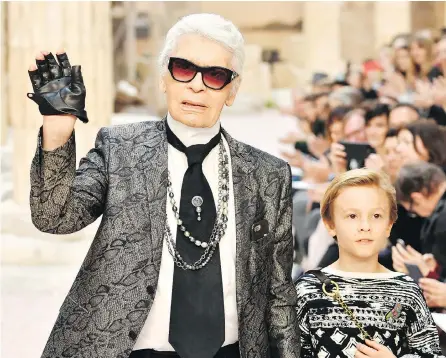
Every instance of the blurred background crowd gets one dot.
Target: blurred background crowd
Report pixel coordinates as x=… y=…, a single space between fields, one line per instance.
x=394 y=106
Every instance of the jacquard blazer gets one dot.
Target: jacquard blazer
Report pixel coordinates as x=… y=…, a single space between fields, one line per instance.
x=124 y=179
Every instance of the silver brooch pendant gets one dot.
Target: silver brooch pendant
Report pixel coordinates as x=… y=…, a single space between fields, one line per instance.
x=197 y=201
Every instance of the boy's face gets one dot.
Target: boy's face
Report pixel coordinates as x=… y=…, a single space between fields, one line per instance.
x=361 y=221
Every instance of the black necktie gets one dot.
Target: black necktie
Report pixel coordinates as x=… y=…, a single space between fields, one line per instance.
x=197 y=322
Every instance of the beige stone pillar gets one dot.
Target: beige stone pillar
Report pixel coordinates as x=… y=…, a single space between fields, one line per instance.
x=255 y=88
x=391 y=18
x=83 y=29
x=155 y=98
x=4 y=77
x=357 y=36
x=322 y=33
x=444 y=15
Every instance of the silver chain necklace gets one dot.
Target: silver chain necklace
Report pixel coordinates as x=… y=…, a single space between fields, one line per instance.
x=220 y=225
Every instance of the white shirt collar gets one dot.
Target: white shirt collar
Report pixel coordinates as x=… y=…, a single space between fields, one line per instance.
x=192 y=135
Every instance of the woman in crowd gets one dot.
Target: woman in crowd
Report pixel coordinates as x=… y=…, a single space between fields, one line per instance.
x=335 y=123
x=403 y=63
x=422 y=52
x=423 y=140
x=376 y=127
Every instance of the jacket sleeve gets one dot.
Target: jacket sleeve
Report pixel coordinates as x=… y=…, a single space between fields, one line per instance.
x=282 y=318
x=64 y=200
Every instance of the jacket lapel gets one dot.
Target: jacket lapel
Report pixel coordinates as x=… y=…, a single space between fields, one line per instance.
x=156 y=184
x=245 y=189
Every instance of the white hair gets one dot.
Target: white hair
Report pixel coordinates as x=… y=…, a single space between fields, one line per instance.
x=211 y=26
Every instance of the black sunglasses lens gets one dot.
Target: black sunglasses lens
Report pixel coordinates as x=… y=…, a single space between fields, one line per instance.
x=216 y=78
x=182 y=70
x=213 y=77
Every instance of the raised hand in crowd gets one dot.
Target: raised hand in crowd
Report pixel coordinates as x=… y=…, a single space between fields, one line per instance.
x=429 y=94
x=424 y=96
x=434 y=292
x=374 y=161
x=407 y=254
x=386 y=91
x=337 y=158
x=295 y=159
x=293 y=137
x=316 y=171
x=397 y=83
x=394 y=87
x=318 y=145
x=439 y=91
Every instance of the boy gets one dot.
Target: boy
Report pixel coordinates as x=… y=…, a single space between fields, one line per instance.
x=377 y=313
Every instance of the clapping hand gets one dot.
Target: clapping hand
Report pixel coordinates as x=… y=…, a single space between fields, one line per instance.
x=434 y=292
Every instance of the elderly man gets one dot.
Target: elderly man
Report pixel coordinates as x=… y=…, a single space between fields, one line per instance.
x=194 y=252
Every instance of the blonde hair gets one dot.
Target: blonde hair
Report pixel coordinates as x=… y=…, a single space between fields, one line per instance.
x=355 y=178
x=428 y=44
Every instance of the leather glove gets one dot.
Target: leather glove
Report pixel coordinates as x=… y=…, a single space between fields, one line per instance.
x=58 y=88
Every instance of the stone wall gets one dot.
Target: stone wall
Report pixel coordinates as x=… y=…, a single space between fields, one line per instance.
x=4 y=78
x=357 y=35
x=248 y=15
x=427 y=14
x=83 y=30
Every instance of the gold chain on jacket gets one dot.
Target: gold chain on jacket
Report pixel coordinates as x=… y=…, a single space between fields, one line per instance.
x=337 y=296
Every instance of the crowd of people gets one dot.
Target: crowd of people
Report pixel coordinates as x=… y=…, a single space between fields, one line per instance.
x=394 y=104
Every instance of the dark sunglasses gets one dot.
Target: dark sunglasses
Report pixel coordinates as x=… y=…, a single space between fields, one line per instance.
x=213 y=77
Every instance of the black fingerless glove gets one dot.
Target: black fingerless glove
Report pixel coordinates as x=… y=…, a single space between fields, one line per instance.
x=58 y=88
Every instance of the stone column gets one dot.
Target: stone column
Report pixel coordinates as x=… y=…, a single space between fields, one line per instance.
x=4 y=77
x=357 y=35
x=391 y=18
x=322 y=33
x=427 y=15
x=83 y=29
x=444 y=15
x=255 y=88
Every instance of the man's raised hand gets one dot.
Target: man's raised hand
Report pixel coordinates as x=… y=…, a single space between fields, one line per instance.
x=58 y=88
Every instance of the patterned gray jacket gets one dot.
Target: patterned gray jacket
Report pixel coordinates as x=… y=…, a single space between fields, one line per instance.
x=123 y=178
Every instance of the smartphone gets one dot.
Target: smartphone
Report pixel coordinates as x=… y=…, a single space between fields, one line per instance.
x=356 y=154
x=414 y=272
x=302 y=146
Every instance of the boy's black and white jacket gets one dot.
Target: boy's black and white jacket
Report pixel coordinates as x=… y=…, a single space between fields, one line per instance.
x=390 y=306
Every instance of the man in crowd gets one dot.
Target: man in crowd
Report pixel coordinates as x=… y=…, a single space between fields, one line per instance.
x=421 y=189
